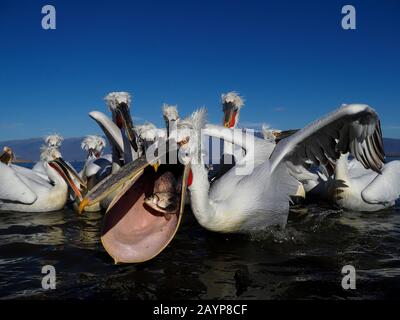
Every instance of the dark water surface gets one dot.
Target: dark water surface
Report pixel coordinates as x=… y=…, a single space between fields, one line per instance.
x=302 y=262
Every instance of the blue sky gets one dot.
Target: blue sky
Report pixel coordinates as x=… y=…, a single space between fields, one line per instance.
x=291 y=60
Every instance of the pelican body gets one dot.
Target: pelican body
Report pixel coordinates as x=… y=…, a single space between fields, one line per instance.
x=25 y=190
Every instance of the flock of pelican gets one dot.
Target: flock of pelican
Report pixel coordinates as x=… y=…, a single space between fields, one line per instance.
x=337 y=159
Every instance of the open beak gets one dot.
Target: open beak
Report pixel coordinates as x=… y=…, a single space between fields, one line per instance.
x=132 y=231
x=230 y=115
x=69 y=174
x=125 y=117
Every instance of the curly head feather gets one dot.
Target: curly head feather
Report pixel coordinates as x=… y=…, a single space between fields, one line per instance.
x=54 y=140
x=232 y=98
x=170 y=112
x=92 y=142
x=115 y=98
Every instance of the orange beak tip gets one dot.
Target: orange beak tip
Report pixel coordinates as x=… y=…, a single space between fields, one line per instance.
x=83 y=205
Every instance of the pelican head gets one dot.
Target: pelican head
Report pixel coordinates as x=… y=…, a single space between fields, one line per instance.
x=119 y=104
x=171 y=115
x=231 y=105
x=276 y=135
x=52 y=157
x=170 y=112
x=7 y=156
x=54 y=140
x=114 y=99
x=49 y=153
x=148 y=134
x=189 y=135
x=269 y=134
x=94 y=146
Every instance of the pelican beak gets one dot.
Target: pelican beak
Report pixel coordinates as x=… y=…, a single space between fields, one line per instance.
x=299 y=197
x=230 y=115
x=156 y=166
x=93 y=154
x=69 y=175
x=114 y=182
x=124 y=115
x=132 y=231
x=280 y=135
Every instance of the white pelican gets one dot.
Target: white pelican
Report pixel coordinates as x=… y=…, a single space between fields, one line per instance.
x=232 y=103
x=119 y=104
x=170 y=115
x=354 y=188
x=7 y=156
x=256 y=201
x=275 y=135
x=97 y=165
x=149 y=134
x=24 y=190
x=120 y=133
x=52 y=141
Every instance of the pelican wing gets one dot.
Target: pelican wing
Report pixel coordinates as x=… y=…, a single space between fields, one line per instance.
x=13 y=188
x=385 y=188
x=352 y=128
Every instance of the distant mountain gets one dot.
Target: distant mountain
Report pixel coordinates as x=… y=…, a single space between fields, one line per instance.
x=71 y=149
x=392 y=147
x=30 y=149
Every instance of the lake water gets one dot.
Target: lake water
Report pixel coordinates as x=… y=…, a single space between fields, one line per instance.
x=302 y=262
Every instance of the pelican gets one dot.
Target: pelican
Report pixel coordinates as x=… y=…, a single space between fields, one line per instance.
x=120 y=133
x=171 y=116
x=97 y=165
x=25 y=190
x=51 y=141
x=119 y=105
x=149 y=134
x=254 y=202
x=232 y=103
x=54 y=140
x=354 y=188
x=275 y=135
x=7 y=156
x=135 y=228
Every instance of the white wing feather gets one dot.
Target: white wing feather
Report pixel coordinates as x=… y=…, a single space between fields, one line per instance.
x=352 y=128
x=12 y=188
x=385 y=188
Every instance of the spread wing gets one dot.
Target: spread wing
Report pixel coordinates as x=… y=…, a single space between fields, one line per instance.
x=352 y=128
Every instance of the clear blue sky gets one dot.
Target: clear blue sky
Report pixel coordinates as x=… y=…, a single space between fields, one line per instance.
x=291 y=60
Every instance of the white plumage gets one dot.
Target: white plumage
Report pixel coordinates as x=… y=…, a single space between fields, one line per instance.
x=232 y=98
x=261 y=199
x=54 y=140
x=170 y=112
x=115 y=98
x=24 y=190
